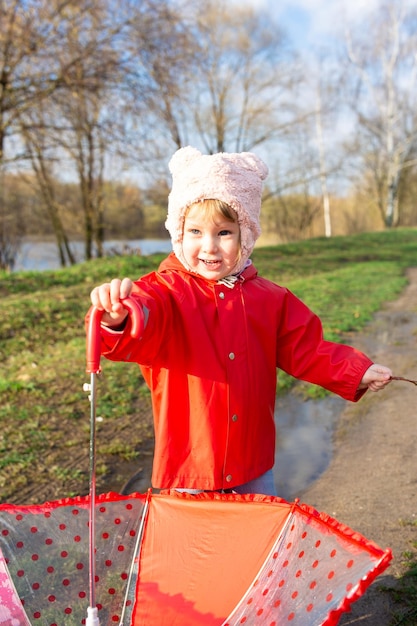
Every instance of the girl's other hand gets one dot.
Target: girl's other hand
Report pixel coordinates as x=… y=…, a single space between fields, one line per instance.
x=376 y=377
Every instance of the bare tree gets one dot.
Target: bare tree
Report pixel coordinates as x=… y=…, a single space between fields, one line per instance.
x=12 y=222
x=323 y=168
x=159 y=73
x=22 y=83
x=246 y=71
x=83 y=110
x=71 y=127
x=33 y=67
x=33 y=62
x=100 y=104
x=385 y=98
x=317 y=160
x=24 y=44
x=38 y=146
x=222 y=77
x=104 y=104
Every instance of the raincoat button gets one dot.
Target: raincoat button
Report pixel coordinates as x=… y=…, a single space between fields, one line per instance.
x=228 y=478
x=221 y=295
x=231 y=356
x=234 y=418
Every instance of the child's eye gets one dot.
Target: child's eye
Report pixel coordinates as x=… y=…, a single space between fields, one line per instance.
x=194 y=231
x=222 y=233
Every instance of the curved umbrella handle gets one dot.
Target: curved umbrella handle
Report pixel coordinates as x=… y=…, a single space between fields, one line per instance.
x=94 y=336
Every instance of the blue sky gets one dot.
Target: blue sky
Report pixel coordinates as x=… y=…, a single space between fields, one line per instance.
x=314 y=22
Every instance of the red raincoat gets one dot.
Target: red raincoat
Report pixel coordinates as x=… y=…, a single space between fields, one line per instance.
x=209 y=354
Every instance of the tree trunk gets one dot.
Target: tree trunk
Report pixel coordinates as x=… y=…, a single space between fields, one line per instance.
x=323 y=176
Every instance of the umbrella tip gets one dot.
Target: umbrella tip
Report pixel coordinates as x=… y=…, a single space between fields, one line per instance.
x=92 y=617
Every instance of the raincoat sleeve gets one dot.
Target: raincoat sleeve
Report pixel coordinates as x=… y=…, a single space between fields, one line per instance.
x=303 y=352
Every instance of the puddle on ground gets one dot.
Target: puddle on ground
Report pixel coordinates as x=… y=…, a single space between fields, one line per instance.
x=304 y=440
x=303 y=446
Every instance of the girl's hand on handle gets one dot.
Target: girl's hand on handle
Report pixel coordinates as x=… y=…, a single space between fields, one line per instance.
x=107 y=297
x=376 y=377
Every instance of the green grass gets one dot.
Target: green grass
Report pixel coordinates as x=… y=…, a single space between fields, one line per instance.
x=405 y=594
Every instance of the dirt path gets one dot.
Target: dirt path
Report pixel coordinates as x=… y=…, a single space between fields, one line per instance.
x=371 y=483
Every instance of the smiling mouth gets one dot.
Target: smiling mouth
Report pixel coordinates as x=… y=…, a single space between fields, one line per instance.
x=210 y=262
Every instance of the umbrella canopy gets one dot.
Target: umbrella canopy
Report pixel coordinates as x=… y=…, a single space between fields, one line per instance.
x=178 y=559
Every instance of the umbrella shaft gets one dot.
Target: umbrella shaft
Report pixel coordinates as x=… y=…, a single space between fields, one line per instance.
x=92 y=542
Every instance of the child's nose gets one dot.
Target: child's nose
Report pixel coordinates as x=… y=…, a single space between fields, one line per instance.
x=209 y=243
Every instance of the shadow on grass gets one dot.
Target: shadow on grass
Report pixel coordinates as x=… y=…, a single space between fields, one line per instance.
x=404 y=596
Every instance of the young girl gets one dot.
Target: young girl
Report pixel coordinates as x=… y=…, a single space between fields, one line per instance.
x=214 y=333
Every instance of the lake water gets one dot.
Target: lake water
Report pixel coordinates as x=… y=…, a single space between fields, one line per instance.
x=41 y=255
x=304 y=428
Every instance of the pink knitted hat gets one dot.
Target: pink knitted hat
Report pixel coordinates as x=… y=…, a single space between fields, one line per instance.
x=234 y=178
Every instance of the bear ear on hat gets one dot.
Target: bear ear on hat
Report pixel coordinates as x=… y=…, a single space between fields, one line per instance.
x=183 y=158
x=256 y=164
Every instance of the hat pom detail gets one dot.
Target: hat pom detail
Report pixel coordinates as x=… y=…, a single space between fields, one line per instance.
x=183 y=157
x=256 y=164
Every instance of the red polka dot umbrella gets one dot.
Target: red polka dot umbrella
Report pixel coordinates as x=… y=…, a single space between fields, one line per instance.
x=176 y=559
x=168 y=559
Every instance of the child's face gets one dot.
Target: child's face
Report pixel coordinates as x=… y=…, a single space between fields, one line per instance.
x=211 y=246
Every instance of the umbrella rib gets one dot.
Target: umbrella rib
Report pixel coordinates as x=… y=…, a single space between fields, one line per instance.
x=135 y=553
